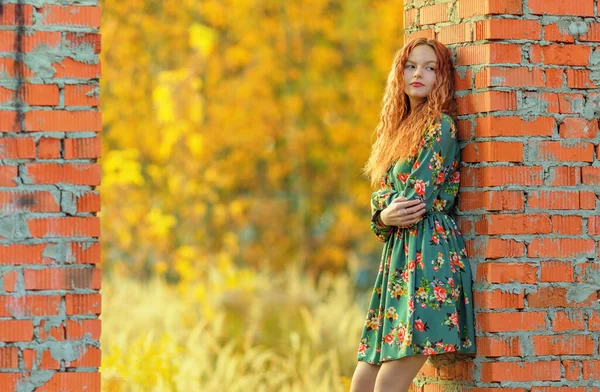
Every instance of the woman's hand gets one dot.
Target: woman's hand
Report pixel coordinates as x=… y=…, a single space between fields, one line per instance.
x=402 y=212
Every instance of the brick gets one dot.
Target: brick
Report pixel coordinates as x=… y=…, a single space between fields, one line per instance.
x=567 y=224
x=561 y=55
x=578 y=128
x=469 y=8
x=487 y=101
x=57 y=227
x=455 y=34
x=561 y=247
x=433 y=14
x=48 y=362
x=63 y=121
x=563 y=345
x=579 y=79
x=83 y=303
x=498 y=346
x=78 y=41
x=28 y=201
x=71 y=68
x=70 y=16
x=520 y=371
x=426 y=33
x=492 y=53
x=493 y=152
x=573 y=320
x=507 y=273
x=593 y=34
x=554 y=77
x=20 y=254
x=591 y=370
x=49 y=331
x=572 y=370
x=514 y=126
x=594 y=321
x=89 y=356
x=10 y=281
x=549 y=297
x=29 y=306
x=556 y=271
x=17 y=148
x=509 y=77
x=561 y=7
x=72 y=381
x=88 y=202
x=503 y=29
x=410 y=18
x=492 y=224
x=8 y=174
x=496 y=248
x=502 y=175
x=8 y=16
x=9 y=357
x=559 y=151
x=556 y=33
x=16 y=331
x=464 y=82
x=565 y=176
x=498 y=300
x=62 y=278
x=511 y=321
x=52 y=173
x=553 y=102
x=28 y=42
x=554 y=200
x=81 y=148
x=85 y=252
x=594 y=225
x=77 y=329
x=49 y=148
x=82 y=95
x=590 y=175
x=491 y=200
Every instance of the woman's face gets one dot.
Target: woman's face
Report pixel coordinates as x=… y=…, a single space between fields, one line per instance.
x=419 y=73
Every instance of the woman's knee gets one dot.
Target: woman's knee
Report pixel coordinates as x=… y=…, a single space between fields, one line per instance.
x=363 y=379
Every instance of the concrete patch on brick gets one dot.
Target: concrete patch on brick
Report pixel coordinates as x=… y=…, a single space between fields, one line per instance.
x=66 y=350
x=579 y=292
x=59 y=252
x=14 y=227
x=34 y=380
x=41 y=58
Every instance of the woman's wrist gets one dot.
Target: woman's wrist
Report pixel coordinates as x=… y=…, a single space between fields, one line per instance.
x=380 y=219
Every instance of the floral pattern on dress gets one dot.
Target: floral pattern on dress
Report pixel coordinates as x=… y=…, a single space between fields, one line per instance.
x=421 y=300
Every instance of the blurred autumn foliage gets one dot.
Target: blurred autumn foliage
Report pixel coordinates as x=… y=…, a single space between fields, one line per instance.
x=234 y=131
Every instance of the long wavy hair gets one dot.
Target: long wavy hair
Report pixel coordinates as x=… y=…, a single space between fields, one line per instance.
x=401 y=128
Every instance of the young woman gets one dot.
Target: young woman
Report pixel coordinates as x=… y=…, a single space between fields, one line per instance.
x=421 y=303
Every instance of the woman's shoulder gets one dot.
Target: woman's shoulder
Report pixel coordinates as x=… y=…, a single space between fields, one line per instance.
x=447 y=126
x=446 y=120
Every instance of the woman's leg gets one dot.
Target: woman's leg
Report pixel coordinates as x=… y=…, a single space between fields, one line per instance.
x=364 y=377
x=397 y=375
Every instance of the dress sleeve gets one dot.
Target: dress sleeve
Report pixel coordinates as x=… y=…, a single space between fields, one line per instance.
x=433 y=163
x=379 y=201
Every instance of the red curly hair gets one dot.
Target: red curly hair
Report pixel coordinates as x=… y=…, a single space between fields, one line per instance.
x=401 y=128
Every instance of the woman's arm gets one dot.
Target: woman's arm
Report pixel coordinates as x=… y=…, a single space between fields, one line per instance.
x=433 y=163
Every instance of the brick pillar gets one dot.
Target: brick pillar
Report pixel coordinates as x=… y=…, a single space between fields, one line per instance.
x=49 y=252
x=528 y=120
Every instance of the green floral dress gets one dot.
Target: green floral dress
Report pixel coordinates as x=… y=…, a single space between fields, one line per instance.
x=422 y=300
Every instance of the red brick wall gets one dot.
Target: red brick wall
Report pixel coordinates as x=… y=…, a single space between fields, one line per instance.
x=528 y=104
x=49 y=231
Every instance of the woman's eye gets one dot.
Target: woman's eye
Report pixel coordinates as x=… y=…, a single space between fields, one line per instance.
x=431 y=68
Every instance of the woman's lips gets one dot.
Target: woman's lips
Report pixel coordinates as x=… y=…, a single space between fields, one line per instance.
x=417 y=84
